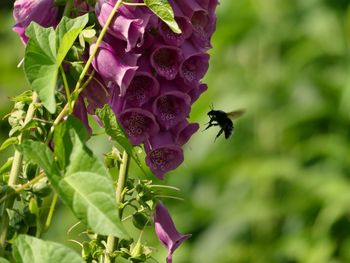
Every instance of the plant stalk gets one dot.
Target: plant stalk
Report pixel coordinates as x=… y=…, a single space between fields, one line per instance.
x=123 y=173
x=15 y=170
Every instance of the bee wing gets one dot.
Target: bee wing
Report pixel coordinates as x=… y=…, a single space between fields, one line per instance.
x=235 y=114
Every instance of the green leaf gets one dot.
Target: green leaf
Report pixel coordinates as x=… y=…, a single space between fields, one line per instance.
x=114 y=130
x=67 y=31
x=40 y=154
x=164 y=11
x=29 y=249
x=40 y=63
x=64 y=137
x=8 y=142
x=91 y=195
x=87 y=187
x=45 y=52
x=3 y=260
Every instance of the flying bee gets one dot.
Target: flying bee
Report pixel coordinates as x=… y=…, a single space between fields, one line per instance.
x=223 y=120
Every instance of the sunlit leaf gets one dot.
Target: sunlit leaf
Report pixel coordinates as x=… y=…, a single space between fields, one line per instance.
x=163 y=10
x=29 y=249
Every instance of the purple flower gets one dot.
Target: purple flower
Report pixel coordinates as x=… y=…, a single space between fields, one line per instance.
x=80 y=112
x=166 y=231
x=96 y=93
x=163 y=155
x=172 y=38
x=129 y=23
x=194 y=68
x=187 y=7
x=197 y=91
x=142 y=88
x=43 y=12
x=166 y=61
x=115 y=64
x=209 y=5
x=138 y=124
x=171 y=108
x=203 y=27
x=184 y=131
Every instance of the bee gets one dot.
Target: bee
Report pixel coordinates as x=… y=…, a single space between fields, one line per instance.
x=223 y=120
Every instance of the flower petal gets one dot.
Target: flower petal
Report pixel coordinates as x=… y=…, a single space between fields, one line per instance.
x=166 y=61
x=142 y=88
x=43 y=12
x=171 y=108
x=166 y=230
x=138 y=124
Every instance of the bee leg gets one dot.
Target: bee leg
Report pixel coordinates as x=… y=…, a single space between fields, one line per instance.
x=210 y=124
x=220 y=132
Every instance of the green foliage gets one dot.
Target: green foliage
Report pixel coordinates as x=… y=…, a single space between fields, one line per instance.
x=116 y=132
x=10 y=141
x=28 y=249
x=45 y=52
x=164 y=11
x=86 y=186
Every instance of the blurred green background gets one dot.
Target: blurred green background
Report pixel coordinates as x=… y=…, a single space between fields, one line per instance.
x=279 y=190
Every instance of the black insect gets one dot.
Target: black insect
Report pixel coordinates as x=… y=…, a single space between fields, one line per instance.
x=223 y=120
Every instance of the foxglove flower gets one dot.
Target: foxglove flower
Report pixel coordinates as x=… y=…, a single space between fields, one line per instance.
x=166 y=60
x=166 y=231
x=172 y=38
x=171 y=108
x=129 y=23
x=96 y=93
x=43 y=12
x=197 y=91
x=138 y=124
x=115 y=64
x=80 y=112
x=163 y=154
x=194 y=68
x=154 y=74
x=142 y=88
x=184 y=131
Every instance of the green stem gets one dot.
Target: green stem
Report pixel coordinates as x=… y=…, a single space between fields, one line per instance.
x=123 y=173
x=134 y=4
x=97 y=45
x=15 y=170
x=65 y=83
x=52 y=209
x=21 y=188
x=68 y=8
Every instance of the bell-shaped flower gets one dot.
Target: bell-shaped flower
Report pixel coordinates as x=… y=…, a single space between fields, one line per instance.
x=43 y=12
x=187 y=7
x=142 y=88
x=204 y=25
x=193 y=69
x=163 y=155
x=138 y=124
x=171 y=108
x=184 y=131
x=115 y=64
x=96 y=93
x=166 y=60
x=80 y=112
x=129 y=23
x=172 y=38
x=209 y=5
x=166 y=231
x=197 y=91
